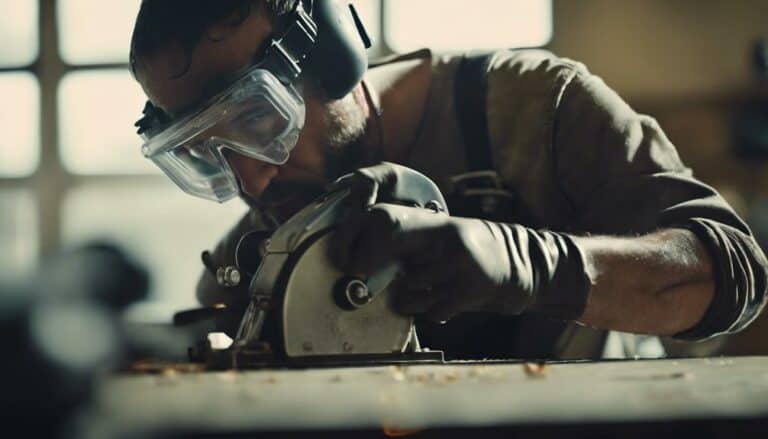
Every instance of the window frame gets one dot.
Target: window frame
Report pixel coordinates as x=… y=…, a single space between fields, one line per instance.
x=50 y=182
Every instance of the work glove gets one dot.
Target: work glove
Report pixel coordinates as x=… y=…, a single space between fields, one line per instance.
x=387 y=183
x=452 y=265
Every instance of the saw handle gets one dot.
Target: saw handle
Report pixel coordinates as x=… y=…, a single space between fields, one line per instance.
x=394 y=184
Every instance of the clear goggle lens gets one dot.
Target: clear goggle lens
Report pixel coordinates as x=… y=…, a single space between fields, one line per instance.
x=257 y=117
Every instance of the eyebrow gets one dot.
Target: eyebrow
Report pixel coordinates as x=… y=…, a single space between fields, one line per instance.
x=211 y=88
x=219 y=83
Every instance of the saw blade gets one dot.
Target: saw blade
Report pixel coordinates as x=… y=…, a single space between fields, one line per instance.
x=315 y=325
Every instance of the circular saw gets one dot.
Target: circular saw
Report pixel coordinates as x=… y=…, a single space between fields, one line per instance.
x=305 y=311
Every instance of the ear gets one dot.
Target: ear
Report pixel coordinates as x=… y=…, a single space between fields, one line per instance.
x=225 y=27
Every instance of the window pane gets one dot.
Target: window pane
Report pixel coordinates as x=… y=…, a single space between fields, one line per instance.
x=18 y=234
x=18 y=32
x=20 y=124
x=97 y=110
x=96 y=31
x=158 y=224
x=451 y=25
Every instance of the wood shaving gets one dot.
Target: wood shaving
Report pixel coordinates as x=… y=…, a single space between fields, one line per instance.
x=535 y=370
x=162 y=368
x=397 y=373
x=390 y=431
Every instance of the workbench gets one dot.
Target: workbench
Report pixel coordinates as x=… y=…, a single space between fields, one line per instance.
x=405 y=398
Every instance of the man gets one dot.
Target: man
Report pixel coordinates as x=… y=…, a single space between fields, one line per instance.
x=617 y=234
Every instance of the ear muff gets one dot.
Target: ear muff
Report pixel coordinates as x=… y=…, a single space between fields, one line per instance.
x=338 y=60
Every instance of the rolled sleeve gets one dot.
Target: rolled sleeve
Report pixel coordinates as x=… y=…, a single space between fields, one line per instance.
x=739 y=275
x=623 y=176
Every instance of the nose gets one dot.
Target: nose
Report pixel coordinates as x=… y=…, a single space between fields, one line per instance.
x=253 y=175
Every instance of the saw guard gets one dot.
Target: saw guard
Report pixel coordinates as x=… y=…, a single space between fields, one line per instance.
x=313 y=324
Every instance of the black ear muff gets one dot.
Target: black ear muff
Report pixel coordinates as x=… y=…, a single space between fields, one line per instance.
x=338 y=60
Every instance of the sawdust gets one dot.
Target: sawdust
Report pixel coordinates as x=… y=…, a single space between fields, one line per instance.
x=450 y=378
x=398 y=373
x=422 y=378
x=164 y=368
x=391 y=431
x=535 y=370
x=167 y=378
x=476 y=371
x=228 y=376
x=415 y=376
x=483 y=371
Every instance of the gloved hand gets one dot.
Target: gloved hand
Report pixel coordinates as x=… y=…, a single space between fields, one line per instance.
x=389 y=183
x=452 y=265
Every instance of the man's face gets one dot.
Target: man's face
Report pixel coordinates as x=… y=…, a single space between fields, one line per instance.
x=177 y=81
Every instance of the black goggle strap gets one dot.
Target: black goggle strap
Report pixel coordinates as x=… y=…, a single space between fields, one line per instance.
x=287 y=52
x=283 y=59
x=152 y=117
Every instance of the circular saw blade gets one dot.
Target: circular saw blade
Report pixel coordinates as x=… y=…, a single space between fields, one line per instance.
x=315 y=325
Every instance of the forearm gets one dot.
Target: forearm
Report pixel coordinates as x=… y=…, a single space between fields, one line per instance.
x=660 y=283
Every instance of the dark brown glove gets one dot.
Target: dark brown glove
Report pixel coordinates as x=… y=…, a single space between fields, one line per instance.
x=453 y=265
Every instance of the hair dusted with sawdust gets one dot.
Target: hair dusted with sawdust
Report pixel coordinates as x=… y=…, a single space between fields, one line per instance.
x=184 y=22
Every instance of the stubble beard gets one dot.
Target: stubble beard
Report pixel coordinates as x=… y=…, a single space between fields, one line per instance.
x=345 y=123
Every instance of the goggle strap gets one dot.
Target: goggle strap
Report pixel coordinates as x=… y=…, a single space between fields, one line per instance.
x=286 y=54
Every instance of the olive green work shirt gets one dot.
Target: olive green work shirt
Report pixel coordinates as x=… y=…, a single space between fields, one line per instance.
x=581 y=161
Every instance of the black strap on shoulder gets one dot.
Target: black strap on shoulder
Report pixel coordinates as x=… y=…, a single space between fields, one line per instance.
x=470 y=94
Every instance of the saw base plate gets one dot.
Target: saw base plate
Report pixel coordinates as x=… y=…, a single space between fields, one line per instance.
x=245 y=359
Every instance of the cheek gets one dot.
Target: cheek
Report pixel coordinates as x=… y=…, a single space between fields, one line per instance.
x=308 y=156
x=253 y=174
x=303 y=164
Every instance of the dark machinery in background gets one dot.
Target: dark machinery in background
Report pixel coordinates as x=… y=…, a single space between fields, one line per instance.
x=750 y=134
x=61 y=331
x=750 y=126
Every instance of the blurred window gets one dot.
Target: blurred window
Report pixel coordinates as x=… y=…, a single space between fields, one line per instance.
x=97 y=109
x=18 y=233
x=157 y=223
x=457 y=25
x=96 y=31
x=18 y=32
x=19 y=124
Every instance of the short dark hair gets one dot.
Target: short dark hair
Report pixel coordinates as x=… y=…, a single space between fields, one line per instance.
x=184 y=22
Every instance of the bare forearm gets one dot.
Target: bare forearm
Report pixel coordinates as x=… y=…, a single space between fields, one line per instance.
x=660 y=283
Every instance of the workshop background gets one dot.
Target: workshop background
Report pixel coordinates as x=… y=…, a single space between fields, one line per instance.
x=71 y=170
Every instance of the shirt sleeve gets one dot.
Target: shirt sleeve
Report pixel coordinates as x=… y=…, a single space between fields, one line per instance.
x=623 y=176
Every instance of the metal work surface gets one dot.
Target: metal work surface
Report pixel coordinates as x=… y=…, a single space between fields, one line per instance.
x=453 y=395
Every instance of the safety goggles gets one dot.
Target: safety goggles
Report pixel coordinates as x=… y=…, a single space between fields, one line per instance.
x=259 y=115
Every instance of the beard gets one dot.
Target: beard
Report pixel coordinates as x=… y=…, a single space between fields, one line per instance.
x=347 y=128
x=345 y=123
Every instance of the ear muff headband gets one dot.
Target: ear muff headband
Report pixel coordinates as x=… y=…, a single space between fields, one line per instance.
x=338 y=60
